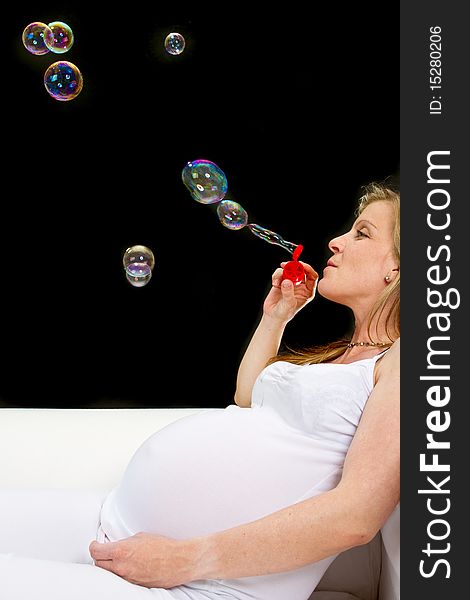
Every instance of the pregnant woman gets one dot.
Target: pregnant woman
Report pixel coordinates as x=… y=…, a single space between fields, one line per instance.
x=256 y=500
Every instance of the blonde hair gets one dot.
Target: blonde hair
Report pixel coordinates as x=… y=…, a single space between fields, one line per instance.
x=389 y=299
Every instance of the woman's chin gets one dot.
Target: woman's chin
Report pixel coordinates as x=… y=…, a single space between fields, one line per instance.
x=322 y=288
x=327 y=291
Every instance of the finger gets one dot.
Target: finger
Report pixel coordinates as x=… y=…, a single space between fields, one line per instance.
x=311 y=277
x=107 y=565
x=100 y=551
x=277 y=277
x=287 y=289
x=309 y=270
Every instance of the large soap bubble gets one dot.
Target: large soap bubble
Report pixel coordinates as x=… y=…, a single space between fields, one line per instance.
x=36 y=38
x=205 y=181
x=62 y=37
x=63 y=80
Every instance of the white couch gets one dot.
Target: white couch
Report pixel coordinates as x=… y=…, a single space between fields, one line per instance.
x=62 y=462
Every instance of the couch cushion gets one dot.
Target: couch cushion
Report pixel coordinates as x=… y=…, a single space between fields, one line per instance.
x=353 y=575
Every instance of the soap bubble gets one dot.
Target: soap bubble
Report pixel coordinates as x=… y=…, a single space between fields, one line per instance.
x=208 y=184
x=232 y=215
x=140 y=254
x=205 y=181
x=272 y=237
x=138 y=274
x=174 y=43
x=62 y=37
x=138 y=262
x=63 y=80
x=36 y=37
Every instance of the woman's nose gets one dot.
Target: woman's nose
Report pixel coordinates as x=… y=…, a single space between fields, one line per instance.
x=336 y=244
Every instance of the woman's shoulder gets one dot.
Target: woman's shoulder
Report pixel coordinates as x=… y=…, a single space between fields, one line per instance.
x=389 y=364
x=394 y=351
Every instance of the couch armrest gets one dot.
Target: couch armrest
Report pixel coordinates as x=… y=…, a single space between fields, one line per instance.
x=49 y=524
x=74 y=448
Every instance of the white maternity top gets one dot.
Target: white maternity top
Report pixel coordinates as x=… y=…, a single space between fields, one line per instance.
x=224 y=467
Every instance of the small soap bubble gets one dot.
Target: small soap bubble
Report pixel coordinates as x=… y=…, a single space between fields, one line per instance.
x=232 y=215
x=138 y=274
x=62 y=37
x=138 y=262
x=36 y=37
x=63 y=80
x=139 y=254
x=174 y=43
x=205 y=181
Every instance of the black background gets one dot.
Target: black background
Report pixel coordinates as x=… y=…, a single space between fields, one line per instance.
x=299 y=109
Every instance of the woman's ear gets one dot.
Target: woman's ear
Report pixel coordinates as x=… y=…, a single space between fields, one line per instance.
x=391 y=275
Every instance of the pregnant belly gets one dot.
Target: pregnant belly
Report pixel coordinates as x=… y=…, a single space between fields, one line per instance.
x=215 y=470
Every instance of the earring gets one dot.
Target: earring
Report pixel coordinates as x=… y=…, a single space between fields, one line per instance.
x=387 y=278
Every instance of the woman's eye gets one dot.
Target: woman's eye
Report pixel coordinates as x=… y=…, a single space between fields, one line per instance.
x=360 y=233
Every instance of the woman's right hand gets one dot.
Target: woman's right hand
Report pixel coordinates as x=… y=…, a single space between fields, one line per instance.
x=286 y=299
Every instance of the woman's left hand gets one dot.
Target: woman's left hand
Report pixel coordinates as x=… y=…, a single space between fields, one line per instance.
x=145 y=559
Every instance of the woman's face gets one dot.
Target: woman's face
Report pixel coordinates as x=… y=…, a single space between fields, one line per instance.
x=362 y=258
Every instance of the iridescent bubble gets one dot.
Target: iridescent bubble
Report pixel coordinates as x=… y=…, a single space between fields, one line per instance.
x=207 y=184
x=138 y=274
x=205 y=181
x=138 y=262
x=62 y=37
x=138 y=254
x=174 y=43
x=292 y=270
x=63 y=80
x=232 y=215
x=270 y=236
x=36 y=36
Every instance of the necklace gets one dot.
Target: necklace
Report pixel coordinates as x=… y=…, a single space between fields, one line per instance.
x=352 y=344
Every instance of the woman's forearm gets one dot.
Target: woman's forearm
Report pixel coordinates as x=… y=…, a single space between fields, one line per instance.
x=263 y=345
x=288 y=539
